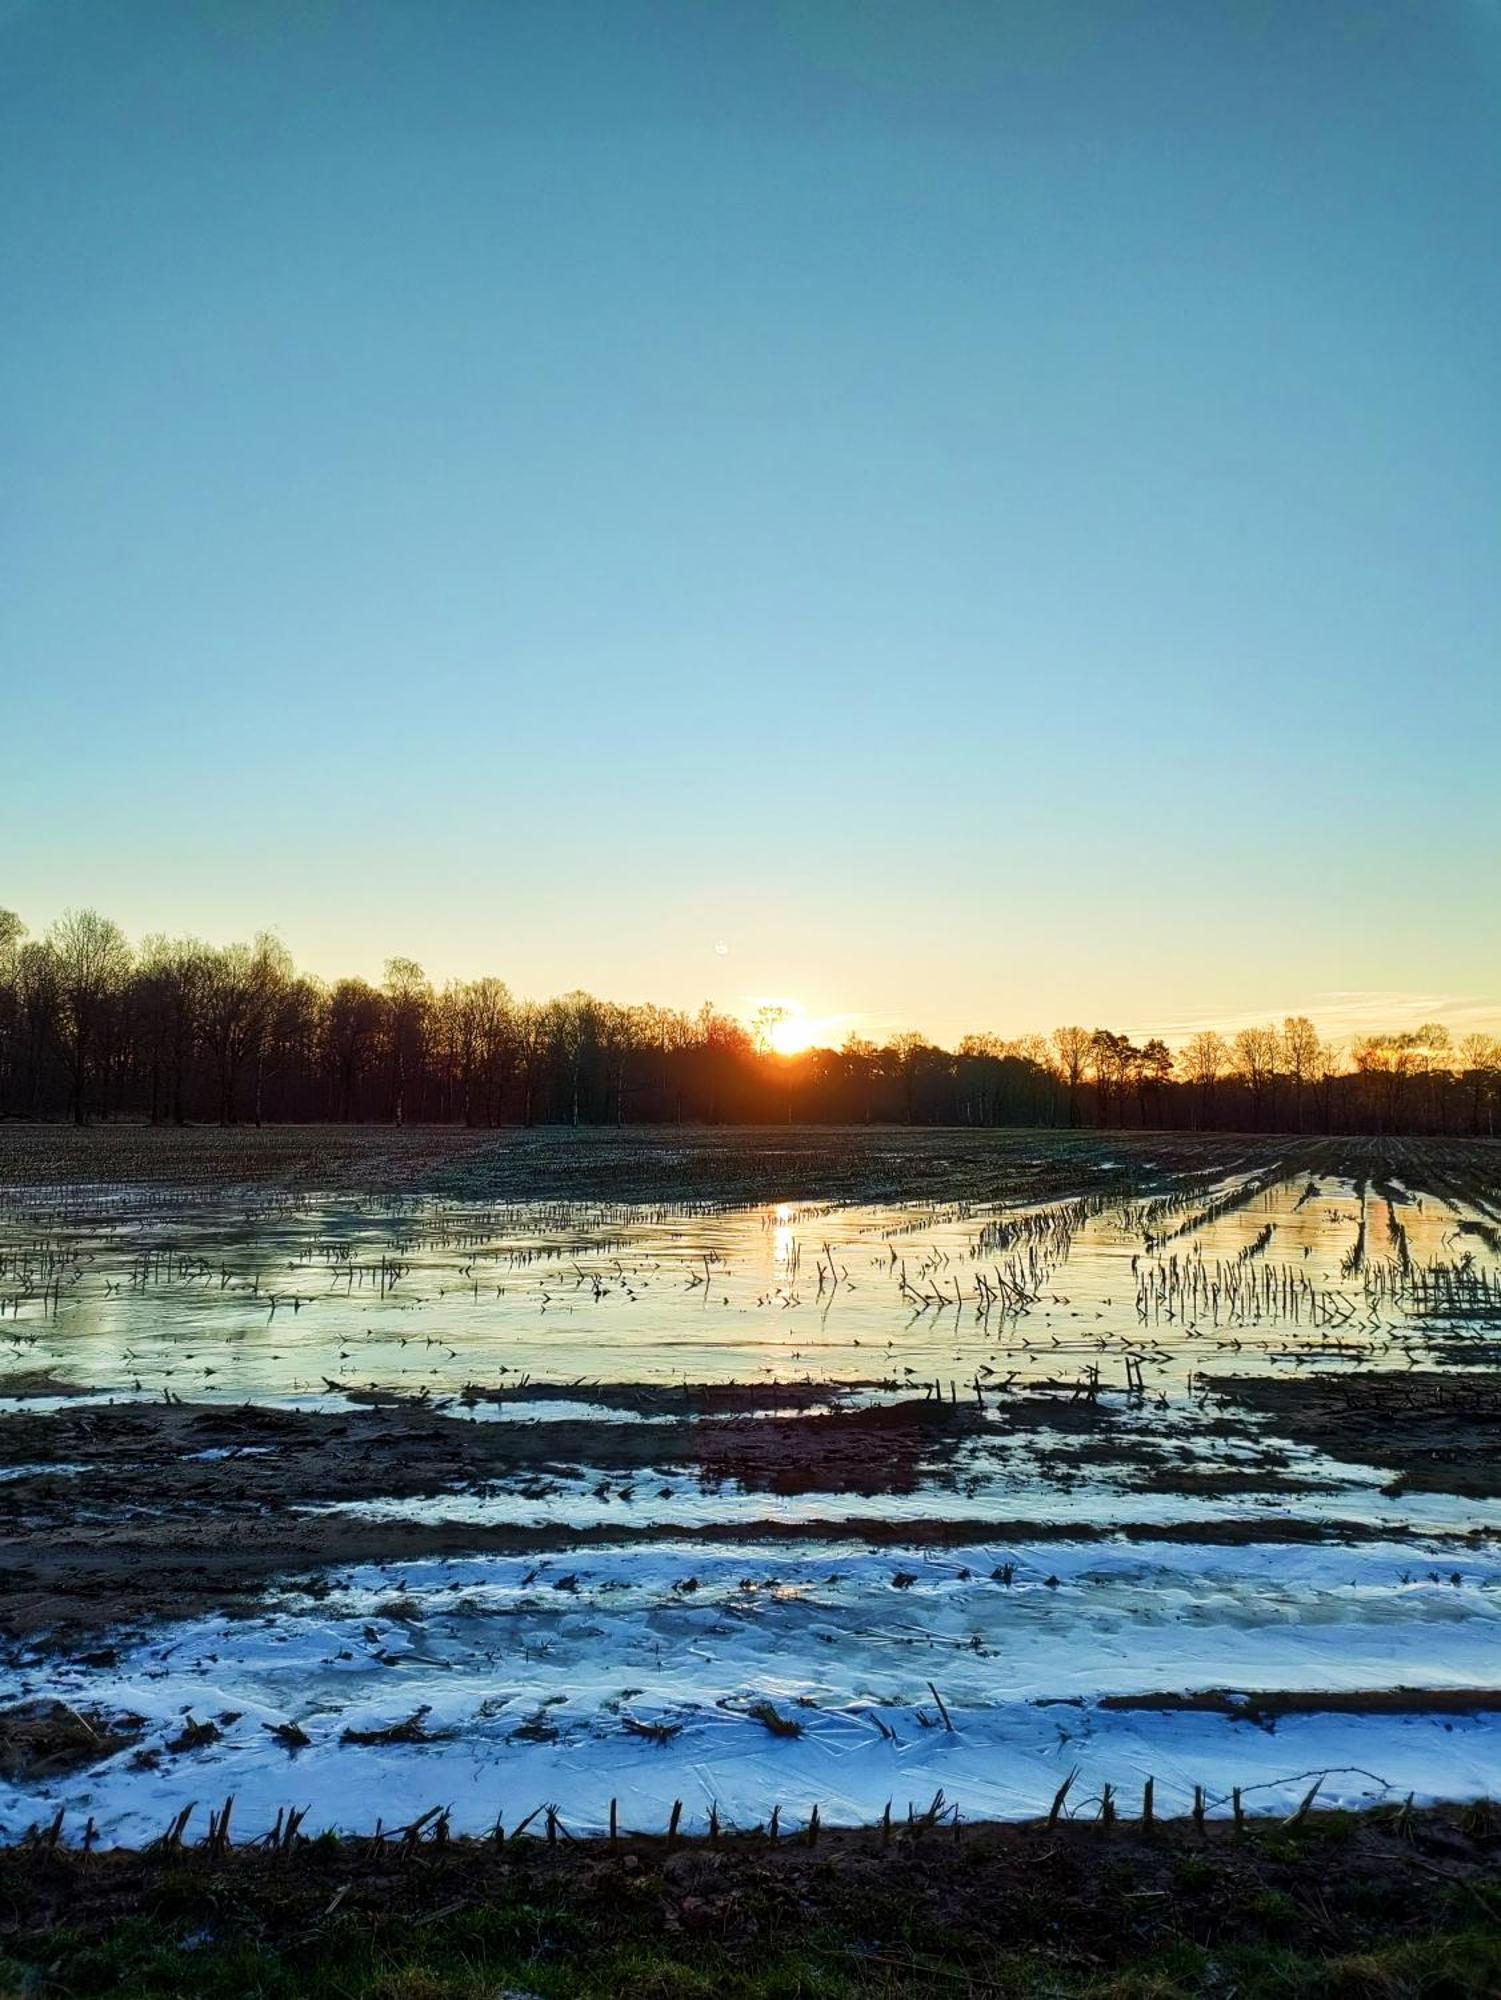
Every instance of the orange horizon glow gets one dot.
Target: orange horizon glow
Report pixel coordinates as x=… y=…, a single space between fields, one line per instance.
x=788 y=1029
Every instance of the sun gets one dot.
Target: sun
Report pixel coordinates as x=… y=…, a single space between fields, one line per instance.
x=794 y=1034
x=783 y=1027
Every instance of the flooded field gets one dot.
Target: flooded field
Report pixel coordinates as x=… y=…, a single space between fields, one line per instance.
x=956 y=1470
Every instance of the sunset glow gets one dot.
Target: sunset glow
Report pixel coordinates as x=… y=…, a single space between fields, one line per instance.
x=795 y=1033
x=784 y=1027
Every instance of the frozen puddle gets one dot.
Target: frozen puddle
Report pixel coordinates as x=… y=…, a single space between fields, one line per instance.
x=591 y=1501
x=632 y=1675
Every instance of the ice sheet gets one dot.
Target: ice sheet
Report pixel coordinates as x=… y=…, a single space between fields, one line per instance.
x=528 y=1672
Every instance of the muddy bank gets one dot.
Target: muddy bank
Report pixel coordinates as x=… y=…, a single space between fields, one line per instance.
x=694 y=1399
x=122 y=1458
x=42 y=1739
x=1436 y=1433
x=843 y=1164
x=133 y=1511
x=61 y=1586
x=1263 y=1706
x=38 y=1385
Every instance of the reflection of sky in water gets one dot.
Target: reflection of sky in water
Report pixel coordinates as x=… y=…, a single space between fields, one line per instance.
x=220 y=1300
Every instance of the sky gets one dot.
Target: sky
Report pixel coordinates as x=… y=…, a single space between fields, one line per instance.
x=967 y=515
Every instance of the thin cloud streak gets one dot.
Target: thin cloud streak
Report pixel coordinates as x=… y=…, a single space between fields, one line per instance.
x=1343 y=1014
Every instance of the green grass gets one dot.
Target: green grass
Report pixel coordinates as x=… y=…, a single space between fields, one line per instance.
x=1322 y=1913
x=480 y=1954
x=145 y=1960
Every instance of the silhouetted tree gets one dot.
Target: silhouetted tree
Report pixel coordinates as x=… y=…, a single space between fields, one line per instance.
x=351 y=1028
x=409 y=1001
x=1204 y=1060
x=92 y=960
x=187 y=1030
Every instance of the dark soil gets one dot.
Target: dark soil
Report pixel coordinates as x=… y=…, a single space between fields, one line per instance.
x=687 y=1399
x=38 y=1739
x=704 y=1164
x=1438 y=1433
x=636 y=1164
x=142 y=1455
x=1265 y=1705
x=149 y=1527
x=58 y=1587
x=34 y=1384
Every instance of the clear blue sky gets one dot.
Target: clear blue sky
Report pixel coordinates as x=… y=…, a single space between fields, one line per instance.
x=989 y=508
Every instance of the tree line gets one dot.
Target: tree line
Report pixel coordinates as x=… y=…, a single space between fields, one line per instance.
x=176 y=1031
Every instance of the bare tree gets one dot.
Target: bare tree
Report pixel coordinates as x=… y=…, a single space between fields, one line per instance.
x=573 y=1024
x=350 y=1035
x=905 y=1054
x=291 y=1046
x=409 y=1001
x=92 y=961
x=1301 y=1054
x=172 y=978
x=1071 y=1048
x=241 y=986
x=1204 y=1059
x=1389 y=1064
x=1154 y=1067
x=1480 y=1057
x=496 y=1042
x=532 y=1030
x=767 y=1018
x=620 y=1035
x=12 y=931
x=862 y=1064
x=1254 y=1054
x=38 y=984
x=1112 y=1059
x=667 y=1032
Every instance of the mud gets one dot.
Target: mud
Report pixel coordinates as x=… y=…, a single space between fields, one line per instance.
x=119 y=1460
x=728 y=1165
x=126 y=1457
x=693 y=1399
x=714 y=1164
x=62 y=1589
x=23 y=1385
x=129 y=1512
x=1263 y=1706
x=1436 y=1433
x=40 y=1739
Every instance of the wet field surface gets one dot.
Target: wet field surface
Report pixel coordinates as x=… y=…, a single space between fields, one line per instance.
x=969 y=1462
